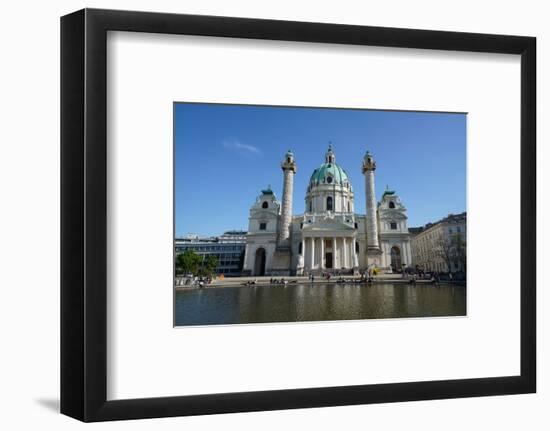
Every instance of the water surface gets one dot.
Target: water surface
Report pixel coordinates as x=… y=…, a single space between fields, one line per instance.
x=307 y=302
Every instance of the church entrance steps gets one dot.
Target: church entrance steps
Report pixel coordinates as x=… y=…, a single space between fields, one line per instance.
x=290 y=281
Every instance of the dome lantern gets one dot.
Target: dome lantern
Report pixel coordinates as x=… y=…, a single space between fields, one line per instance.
x=330 y=157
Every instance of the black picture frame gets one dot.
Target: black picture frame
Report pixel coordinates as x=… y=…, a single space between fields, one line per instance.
x=84 y=214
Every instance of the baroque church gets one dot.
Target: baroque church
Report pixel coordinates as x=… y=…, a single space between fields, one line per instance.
x=330 y=236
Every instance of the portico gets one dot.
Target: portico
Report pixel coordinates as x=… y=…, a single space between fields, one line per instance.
x=328 y=252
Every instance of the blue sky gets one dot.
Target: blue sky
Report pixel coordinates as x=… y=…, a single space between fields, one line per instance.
x=225 y=154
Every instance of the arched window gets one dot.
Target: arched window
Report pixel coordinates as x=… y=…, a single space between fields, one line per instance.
x=310 y=206
x=265 y=204
x=329 y=203
x=356 y=247
x=392 y=204
x=300 y=248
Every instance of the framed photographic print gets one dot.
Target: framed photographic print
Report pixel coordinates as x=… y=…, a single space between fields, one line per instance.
x=262 y=215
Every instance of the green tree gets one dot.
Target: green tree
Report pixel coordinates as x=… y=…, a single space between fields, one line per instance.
x=444 y=250
x=208 y=266
x=188 y=262
x=451 y=250
x=459 y=246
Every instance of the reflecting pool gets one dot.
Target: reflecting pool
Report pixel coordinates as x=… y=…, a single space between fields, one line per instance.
x=315 y=302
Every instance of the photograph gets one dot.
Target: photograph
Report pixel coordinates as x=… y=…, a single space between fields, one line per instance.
x=301 y=214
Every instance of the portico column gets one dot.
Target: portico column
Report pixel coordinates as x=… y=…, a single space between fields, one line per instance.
x=322 y=253
x=408 y=257
x=245 y=260
x=312 y=252
x=344 y=263
x=302 y=258
x=355 y=262
x=334 y=264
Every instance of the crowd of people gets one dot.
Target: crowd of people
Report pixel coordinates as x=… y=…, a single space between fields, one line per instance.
x=202 y=281
x=281 y=281
x=433 y=277
x=366 y=277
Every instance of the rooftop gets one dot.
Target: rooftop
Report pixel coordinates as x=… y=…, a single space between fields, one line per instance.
x=451 y=218
x=228 y=236
x=267 y=191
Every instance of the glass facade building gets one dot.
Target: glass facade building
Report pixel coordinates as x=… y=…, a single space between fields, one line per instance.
x=227 y=248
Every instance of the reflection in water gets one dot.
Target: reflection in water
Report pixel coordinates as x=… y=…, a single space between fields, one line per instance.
x=305 y=302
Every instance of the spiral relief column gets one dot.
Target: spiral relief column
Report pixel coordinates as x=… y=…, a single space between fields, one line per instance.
x=373 y=246
x=283 y=255
x=289 y=169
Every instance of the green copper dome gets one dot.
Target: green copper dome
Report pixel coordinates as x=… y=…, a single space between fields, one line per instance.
x=329 y=173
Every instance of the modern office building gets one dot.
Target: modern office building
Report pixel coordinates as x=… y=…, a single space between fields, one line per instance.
x=227 y=248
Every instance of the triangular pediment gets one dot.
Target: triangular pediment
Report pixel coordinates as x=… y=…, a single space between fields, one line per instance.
x=391 y=215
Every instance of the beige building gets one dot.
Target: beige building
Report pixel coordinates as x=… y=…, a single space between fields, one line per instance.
x=440 y=246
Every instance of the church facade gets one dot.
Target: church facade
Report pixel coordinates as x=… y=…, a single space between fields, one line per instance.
x=330 y=236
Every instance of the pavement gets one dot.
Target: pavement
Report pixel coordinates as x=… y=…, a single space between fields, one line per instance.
x=265 y=281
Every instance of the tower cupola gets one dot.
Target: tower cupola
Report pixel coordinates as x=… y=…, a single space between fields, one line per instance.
x=368 y=162
x=288 y=163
